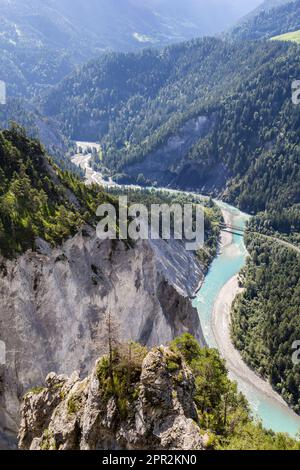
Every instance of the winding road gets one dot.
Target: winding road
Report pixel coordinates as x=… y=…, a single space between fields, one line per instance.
x=280 y=242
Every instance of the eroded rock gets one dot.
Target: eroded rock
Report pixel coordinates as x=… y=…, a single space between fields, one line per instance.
x=52 y=305
x=73 y=414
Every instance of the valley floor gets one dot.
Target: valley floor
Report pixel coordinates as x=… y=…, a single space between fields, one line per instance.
x=221 y=331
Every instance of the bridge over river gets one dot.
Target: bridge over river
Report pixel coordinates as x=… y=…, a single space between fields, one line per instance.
x=234 y=229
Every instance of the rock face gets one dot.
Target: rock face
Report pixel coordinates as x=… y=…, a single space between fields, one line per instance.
x=52 y=305
x=166 y=165
x=72 y=414
x=170 y=164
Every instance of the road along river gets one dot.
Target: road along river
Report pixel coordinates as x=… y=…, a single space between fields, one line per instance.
x=213 y=302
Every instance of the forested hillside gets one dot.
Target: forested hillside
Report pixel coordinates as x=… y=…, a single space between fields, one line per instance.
x=283 y=223
x=38 y=127
x=212 y=214
x=269 y=22
x=203 y=115
x=37 y=199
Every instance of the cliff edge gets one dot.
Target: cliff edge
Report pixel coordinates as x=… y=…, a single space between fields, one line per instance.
x=157 y=411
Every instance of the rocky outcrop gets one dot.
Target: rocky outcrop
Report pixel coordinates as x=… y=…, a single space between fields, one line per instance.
x=166 y=164
x=52 y=304
x=73 y=414
x=171 y=164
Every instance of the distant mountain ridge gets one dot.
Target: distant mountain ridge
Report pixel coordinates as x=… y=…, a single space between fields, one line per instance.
x=42 y=40
x=270 y=19
x=267 y=5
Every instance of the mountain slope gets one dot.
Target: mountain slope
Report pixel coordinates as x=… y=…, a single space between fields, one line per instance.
x=265 y=6
x=116 y=24
x=271 y=20
x=205 y=115
x=42 y=40
x=38 y=200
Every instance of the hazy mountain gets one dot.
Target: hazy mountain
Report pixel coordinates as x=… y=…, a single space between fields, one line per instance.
x=272 y=18
x=269 y=4
x=42 y=40
x=263 y=6
x=117 y=24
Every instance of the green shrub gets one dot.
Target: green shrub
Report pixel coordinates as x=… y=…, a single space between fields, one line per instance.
x=172 y=366
x=126 y=372
x=36 y=391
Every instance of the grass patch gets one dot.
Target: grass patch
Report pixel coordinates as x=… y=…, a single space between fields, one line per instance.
x=294 y=37
x=172 y=366
x=74 y=404
x=48 y=441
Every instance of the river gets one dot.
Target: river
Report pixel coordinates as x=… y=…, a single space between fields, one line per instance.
x=265 y=403
x=213 y=303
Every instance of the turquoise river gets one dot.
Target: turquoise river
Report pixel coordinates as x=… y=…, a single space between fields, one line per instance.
x=228 y=264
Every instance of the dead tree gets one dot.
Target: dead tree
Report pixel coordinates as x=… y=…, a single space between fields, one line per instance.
x=111 y=339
